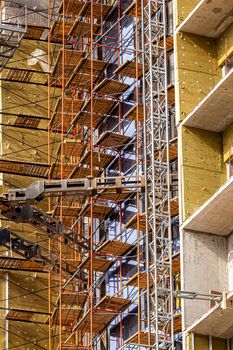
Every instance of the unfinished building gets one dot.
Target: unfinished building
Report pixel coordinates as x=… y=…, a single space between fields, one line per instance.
x=204 y=115
x=89 y=205
x=115 y=114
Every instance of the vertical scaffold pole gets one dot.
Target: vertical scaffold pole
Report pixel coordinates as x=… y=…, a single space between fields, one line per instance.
x=158 y=199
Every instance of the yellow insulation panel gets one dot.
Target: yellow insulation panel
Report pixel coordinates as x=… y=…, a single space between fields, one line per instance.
x=21 y=98
x=219 y=344
x=225 y=45
x=198 y=186
x=2 y=311
x=201 y=342
x=27 y=336
x=228 y=143
x=203 y=171
x=188 y=341
x=184 y=7
x=202 y=149
x=197 y=70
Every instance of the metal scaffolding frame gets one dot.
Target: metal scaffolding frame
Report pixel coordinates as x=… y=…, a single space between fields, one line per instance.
x=160 y=317
x=112 y=106
x=88 y=173
x=12 y=30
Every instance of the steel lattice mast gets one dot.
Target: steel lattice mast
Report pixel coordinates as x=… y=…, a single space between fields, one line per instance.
x=160 y=317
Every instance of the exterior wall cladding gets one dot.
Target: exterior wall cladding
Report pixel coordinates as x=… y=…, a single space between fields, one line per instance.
x=204 y=93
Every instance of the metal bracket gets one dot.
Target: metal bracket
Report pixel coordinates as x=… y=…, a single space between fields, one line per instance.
x=32 y=251
x=84 y=187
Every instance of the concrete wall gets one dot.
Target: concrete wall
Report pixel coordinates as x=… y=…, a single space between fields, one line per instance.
x=230 y=261
x=204 y=268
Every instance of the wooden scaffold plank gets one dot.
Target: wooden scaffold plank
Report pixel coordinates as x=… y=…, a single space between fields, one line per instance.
x=83 y=29
x=100 y=10
x=69 y=315
x=71 y=58
x=80 y=172
x=143 y=338
x=99 y=211
x=74 y=347
x=130 y=69
x=7 y=263
x=114 y=197
x=72 y=148
x=103 y=313
x=98 y=264
x=76 y=299
x=132 y=223
x=72 y=7
x=112 y=140
x=131 y=9
x=55 y=170
x=22 y=168
x=83 y=8
x=97 y=159
x=34 y=32
x=81 y=76
x=56 y=34
x=142 y=277
x=111 y=87
x=71 y=107
x=67 y=211
x=114 y=248
x=135 y=112
x=101 y=107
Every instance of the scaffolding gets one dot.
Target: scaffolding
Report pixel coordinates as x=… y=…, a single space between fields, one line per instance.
x=107 y=206
x=12 y=31
x=157 y=142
